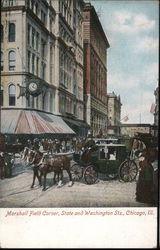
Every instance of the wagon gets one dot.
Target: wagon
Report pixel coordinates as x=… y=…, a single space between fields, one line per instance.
x=109 y=159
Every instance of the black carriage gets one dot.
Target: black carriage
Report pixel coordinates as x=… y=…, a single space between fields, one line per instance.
x=109 y=159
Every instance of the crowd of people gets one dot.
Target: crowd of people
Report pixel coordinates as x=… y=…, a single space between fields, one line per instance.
x=56 y=145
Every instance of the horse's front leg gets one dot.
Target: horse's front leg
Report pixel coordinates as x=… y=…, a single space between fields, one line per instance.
x=54 y=178
x=61 y=179
x=70 y=178
x=44 y=182
x=40 y=179
x=34 y=177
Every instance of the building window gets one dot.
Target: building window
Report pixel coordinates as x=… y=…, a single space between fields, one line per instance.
x=33 y=63
x=12 y=60
x=28 y=101
x=12 y=95
x=37 y=41
x=29 y=58
x=2 y=33
x=43 y=17
x=12 y=2
x=29 y=31
x=43 y=70
x=37 y=67
x=1 y=96
x=43 y=48
x=44 y=102
x=51 y=63
x=33 y=37
x=32 y=5
x=12 y=33
x=51 y=102
x=37 y=9
x=2 y=61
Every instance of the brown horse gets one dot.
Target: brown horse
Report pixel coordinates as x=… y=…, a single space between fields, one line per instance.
x=47 y=164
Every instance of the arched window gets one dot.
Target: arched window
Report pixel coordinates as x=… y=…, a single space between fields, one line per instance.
x=12 y=3
x=2 y=61
x=12 y=95
x=12 y=32
x=2 y=33
x=12 y=60
x=1 y=96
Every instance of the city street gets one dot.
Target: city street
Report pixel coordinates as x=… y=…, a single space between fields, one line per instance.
x=16 y=192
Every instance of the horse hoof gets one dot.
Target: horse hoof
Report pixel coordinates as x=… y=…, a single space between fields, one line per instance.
x=44 y=189
x=59 y=184
x=70 y=184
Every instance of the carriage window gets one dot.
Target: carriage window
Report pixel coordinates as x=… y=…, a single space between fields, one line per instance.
x=112 y=154
x=102 y=154
x=12 y=92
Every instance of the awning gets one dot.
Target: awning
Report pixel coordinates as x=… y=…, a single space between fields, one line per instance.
x=19 y=121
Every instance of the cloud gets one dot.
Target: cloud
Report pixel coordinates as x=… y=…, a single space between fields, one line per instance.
x=139 y=110
x=122 y=81
x=141 y=22
x=146 y=44
x=150 y=74
x=127 y=22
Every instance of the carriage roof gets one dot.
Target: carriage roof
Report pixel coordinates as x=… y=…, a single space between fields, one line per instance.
x=110 y=145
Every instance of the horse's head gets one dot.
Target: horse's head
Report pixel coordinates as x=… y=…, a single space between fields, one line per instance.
x=31 y=155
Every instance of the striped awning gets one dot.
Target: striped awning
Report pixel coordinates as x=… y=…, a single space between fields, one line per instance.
x=19 y=121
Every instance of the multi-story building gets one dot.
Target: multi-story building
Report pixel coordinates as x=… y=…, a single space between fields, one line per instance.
x=95 y=71
x=156 y=112
x=41 y=41
x=114 y=114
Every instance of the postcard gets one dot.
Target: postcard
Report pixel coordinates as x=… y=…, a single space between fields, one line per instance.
x=79 y=119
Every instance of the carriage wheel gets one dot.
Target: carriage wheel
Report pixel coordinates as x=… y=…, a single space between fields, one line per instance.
x=90 y=175
x=76 y=171
x=128 y=171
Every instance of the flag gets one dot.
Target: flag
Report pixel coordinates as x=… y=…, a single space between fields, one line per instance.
x=126 y=118
x=152 y=108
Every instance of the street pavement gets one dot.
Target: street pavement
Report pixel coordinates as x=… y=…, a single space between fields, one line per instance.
x=16 y=192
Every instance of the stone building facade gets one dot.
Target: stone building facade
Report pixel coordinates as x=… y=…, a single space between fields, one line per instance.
x=114 y=114
x=95 y=71
x=42 y=41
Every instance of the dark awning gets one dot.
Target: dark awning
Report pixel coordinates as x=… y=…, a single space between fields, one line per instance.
x=19 y=121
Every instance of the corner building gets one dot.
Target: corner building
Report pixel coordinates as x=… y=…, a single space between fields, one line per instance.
x=95 y=71
x=42 y=41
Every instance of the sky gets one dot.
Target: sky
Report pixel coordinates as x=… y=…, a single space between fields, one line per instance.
x=132 y=29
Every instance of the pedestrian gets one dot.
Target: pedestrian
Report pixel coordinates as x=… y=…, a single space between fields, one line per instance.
x=63 y=146
x=145 y=184
x=68 y=146
x=2 y=166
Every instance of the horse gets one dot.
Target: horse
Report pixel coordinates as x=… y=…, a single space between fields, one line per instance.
x=48 y=163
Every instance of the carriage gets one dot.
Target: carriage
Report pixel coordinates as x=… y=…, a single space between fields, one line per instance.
x=109 y=159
